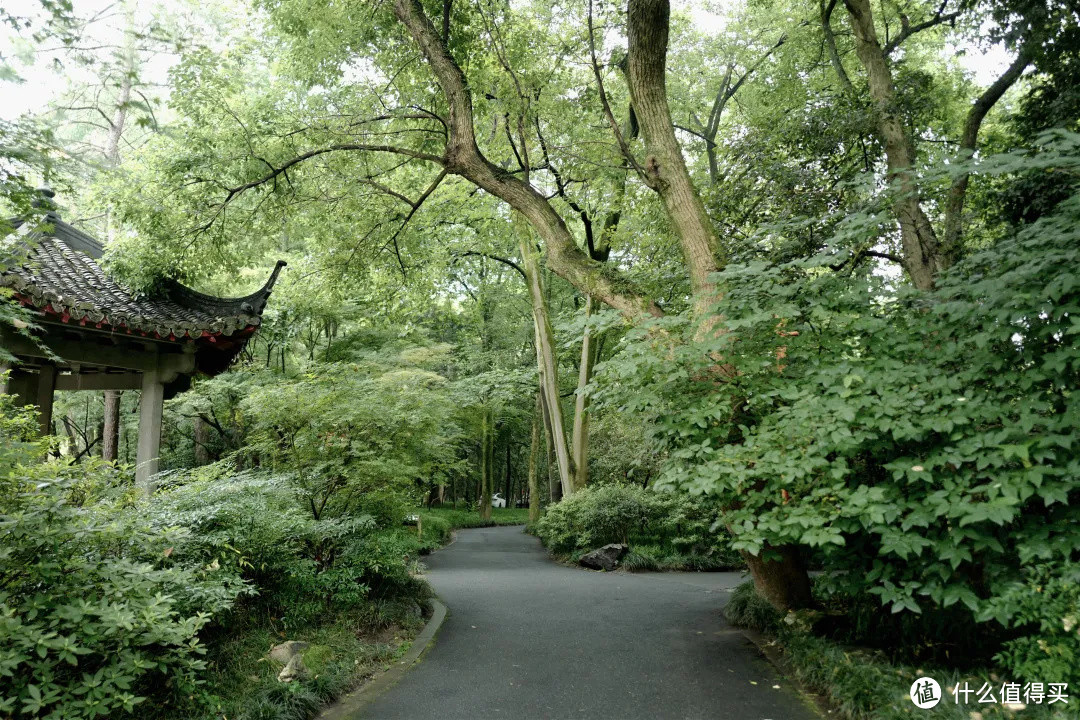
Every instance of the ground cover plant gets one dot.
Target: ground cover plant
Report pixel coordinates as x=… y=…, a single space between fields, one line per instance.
x=861 y=682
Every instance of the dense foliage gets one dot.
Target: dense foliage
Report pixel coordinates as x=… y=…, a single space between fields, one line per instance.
x=666 y=530
x=95 y=616
x=920 y=446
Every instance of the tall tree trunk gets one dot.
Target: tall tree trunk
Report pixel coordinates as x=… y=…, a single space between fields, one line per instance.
x=110 y=437
x=547 y=365
x=506 y=479
x=922 y=253
x=534 y=450
x=580 y=440
x=665 y=169
x=486 y=462
x=781 y=581
x=202 y=438
x=554 y=485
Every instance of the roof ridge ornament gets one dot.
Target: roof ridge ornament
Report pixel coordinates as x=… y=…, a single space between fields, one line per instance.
x=45 y=201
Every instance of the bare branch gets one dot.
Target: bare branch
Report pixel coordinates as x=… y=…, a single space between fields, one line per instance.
x=504 y=261
x=907 y=29
x=610 y=116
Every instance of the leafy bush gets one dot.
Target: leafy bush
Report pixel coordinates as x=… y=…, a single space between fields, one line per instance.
x=257 y=525
x=673 y=530
x=749 y=610
x=861 y=683
x=85 y=630
x=1046 y=606
x=922 y=446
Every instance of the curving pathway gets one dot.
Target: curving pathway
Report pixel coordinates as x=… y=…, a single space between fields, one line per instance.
x=529 y=638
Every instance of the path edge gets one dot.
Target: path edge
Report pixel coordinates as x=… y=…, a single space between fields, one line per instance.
x=772 y=652
x=349 y=706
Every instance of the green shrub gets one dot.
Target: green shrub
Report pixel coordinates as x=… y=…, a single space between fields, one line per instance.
x=664 y=530
x=921 y=446
x=87 y=632
x=257 y=525
x=749 y=610
x=1046 y=607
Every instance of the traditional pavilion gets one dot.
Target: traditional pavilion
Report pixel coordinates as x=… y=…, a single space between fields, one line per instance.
x=97 y=335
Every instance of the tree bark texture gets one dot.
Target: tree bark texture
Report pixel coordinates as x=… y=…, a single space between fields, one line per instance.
x=534 y=451
x=665 y=168
x=922 y=254
x=110 y=438
x=784 y=583
x=580 y=439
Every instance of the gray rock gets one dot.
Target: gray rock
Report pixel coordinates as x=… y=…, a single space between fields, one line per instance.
x=605 y=558
x=415 y=610
x=294 y=669
x=286 y=651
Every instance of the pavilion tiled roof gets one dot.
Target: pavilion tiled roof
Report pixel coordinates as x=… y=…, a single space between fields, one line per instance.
x=60 y=276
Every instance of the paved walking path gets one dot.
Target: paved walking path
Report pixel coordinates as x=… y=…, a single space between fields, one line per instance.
x=529 y=638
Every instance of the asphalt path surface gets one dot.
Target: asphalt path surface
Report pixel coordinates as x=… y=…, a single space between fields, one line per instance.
x=527 y=637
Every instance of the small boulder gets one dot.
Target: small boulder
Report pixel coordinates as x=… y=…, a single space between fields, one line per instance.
x=293 y=670
x=803 y=621
x=285 y=652
x=605 y=558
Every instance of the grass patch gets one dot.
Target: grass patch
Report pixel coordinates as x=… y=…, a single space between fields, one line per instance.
x=863 y=684
x=461 y=518
x=439 y=522
x=659 y=557
x=747 y=609
x=241 y=681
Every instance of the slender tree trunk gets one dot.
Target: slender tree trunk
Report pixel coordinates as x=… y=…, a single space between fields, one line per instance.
x=202 y=438
x=665 y=169
x=952 y=241
x=830 y=45
x=554 y=485
x=547 y=364
x=507 y=478
x=486 y=462
x=922 y=253
x=110 y=438
x=580 y=441
x=534 y=450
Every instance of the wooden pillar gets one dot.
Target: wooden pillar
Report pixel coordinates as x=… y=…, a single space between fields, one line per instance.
x=35 y=389
x=151 y=401
x=110 y=434
x=46 y=387
x=22 y=386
